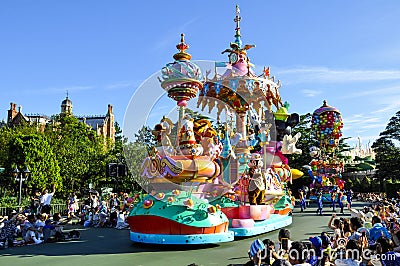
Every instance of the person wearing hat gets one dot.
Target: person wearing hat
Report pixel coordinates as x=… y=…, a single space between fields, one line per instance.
x=326 y=247
x=255 y=251
x=257 y=180
x=315 y=252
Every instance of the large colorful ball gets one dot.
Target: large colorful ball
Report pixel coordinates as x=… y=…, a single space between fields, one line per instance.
x=326 y=123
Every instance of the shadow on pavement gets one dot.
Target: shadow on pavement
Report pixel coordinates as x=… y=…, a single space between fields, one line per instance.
x=96 y=241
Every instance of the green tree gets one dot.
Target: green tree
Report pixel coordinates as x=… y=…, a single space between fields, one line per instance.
x=145 y=136
x=79 y=151
x=387 y=153
x=387 y=159
x=306 y=141
x=34 y=151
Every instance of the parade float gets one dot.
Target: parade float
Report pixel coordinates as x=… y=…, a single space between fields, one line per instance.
x=207 y=182
x=326 y=168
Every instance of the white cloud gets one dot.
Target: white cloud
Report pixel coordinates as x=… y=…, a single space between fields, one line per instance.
x=122 y=85
x=324 y=74
x=382 y=126
x=64 y=89
x=311 y=93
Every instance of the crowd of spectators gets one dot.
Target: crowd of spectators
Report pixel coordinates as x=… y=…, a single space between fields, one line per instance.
x=34 y=224
x=371 y=236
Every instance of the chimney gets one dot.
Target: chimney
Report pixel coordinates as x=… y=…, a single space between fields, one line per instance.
x=110 y=109
x=11 y=113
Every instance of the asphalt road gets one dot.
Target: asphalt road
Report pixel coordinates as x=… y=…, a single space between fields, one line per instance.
x=108 y=246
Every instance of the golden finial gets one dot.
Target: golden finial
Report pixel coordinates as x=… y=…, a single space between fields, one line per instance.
x=182 y=47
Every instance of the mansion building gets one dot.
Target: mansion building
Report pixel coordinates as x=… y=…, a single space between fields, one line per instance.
x=103 y=125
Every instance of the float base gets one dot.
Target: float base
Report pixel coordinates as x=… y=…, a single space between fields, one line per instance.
x=274 y=222
x=181 y=239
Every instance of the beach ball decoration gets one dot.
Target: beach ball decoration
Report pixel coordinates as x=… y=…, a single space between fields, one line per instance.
x=326 y=124
x=129 y=201
x=148 y=203
x=171 y=199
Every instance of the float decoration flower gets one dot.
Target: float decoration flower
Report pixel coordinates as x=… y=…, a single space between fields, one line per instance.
x=176 y=192
x=212 y=209
x=189 y=203
x=160 y=196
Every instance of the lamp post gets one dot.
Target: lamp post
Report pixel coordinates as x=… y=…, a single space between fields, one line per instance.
x=20 y=176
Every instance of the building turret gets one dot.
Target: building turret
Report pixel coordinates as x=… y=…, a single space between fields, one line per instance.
x=66 y=106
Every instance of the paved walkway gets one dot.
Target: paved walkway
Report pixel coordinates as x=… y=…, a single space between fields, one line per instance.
x=107 y=246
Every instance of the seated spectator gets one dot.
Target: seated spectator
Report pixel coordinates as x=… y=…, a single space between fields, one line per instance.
x=255 y=251
x=39 y=224
x=353 y=253
x=315 y=254
x=121 y=224
x=59 y=226
x=346 y=227
x=387 y=257
x=368 y=214
x=377 y=229
x=31 y=233
x=9 y=230
x=326 y=246
x=103 y=214
x=298 y=254
x=284 y=234
x=269 y=255
x=48 y=231
x=355 y=224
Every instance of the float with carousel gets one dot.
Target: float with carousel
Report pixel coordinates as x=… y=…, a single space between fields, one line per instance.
x=326 y=168
x=209 y=181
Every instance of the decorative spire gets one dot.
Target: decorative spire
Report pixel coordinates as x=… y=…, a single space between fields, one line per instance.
x=182 y=47
x=237 y=19
x=236 y=46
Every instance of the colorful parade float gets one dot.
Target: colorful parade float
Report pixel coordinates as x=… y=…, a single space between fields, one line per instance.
x=326 y=168
x=208 y=181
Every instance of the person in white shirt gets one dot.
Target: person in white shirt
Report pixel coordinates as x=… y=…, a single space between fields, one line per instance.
x=121 y=224
x=45 y=200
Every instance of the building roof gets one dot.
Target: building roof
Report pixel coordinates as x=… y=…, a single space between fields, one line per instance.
x=93 y=121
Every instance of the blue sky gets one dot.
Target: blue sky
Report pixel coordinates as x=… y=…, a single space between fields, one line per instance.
x=346 y=52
